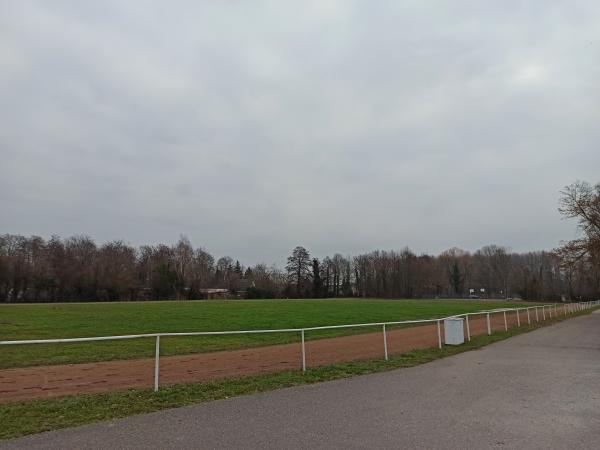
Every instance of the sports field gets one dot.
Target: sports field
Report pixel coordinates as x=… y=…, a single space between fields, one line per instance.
x=68 y=320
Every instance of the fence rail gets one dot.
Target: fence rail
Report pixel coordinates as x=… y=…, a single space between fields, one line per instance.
x=567 y=308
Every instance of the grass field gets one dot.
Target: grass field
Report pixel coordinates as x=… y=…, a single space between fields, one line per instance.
x=42 y=415
x=46 y=321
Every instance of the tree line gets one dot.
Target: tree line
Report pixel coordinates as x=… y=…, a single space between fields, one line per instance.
x=78 y=269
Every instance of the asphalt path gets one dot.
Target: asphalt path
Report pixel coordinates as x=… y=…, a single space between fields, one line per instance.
x=539 y=390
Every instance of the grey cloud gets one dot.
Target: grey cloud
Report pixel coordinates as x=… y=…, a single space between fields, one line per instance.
x=342 y=126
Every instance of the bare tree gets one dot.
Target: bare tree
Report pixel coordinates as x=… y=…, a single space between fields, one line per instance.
x=580 y=258
x=183 y=255
x=116 y=271
x=581 y=201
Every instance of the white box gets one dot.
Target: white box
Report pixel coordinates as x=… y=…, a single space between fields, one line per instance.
x=454 y=331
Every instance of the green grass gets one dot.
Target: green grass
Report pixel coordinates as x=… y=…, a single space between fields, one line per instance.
x=69 y=320
x=29 y=417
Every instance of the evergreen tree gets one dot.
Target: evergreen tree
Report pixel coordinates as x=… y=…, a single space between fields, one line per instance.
x=298 y=269
x=238 y=268
x=456 y=278
x=317 y=286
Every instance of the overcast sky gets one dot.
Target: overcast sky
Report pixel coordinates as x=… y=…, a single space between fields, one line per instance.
x=252 y=127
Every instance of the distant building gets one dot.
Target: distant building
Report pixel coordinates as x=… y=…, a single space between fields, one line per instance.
x=213 y=293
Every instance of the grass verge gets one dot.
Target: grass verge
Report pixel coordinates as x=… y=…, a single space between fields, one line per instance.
x=19 y=419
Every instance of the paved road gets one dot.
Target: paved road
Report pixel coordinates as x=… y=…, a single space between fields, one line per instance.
x=538 y=390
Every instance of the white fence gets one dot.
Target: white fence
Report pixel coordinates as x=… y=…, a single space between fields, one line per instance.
x=533 y=314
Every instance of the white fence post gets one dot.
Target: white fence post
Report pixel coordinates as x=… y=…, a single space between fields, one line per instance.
x=528 y=319
x=468 y=329
x=518 y=318
x=156 y=363
x=543 y=312
x=537 y=317
x=489 y=325
x=505 y=324
x=439 y=328
x=385 y=343
x=303 y=352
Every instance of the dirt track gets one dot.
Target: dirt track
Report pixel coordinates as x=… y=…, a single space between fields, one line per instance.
x=52 y=381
